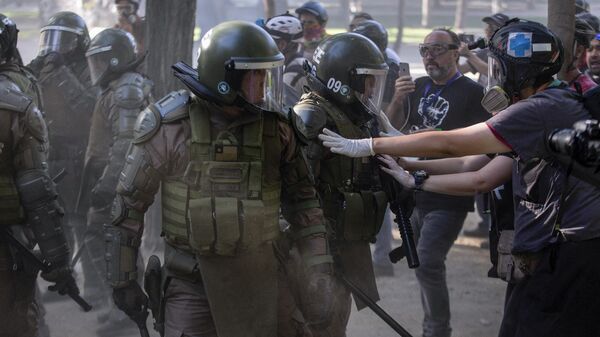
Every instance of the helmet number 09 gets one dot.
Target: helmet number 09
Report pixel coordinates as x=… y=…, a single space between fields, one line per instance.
x=334 y=85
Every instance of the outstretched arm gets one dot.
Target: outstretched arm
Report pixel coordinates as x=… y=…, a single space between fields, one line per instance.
x=495 y=173
x=446 y=165
x=475 y=139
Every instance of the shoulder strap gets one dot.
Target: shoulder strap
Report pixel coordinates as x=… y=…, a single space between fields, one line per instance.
x=200 y=127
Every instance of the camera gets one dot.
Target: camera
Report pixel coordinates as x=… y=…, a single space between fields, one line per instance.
x=466 y=38
x=581 y=143
x=579 y=149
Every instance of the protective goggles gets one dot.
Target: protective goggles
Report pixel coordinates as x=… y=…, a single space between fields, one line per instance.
x=435 y=49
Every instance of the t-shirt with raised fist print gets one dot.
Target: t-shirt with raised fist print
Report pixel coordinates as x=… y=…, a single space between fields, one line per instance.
x=445 y=107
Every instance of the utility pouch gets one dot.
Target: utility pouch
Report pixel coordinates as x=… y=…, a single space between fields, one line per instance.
x=362 y=214
x=227 y=226
x=202 y=230
x=381 y=204
x=351 y=216
x=507 y=269
x=180 y=265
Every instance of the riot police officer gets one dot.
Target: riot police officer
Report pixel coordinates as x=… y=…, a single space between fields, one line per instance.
x=69 y=98
x=29 y=210
x=227 y=161
x=347 y=79
x=125 y=93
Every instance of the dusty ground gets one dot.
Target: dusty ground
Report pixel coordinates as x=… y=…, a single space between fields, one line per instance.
x=476 y=301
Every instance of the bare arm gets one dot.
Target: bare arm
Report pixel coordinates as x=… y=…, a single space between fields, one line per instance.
x=475 y=139
x=495 y=173
x=446 y=165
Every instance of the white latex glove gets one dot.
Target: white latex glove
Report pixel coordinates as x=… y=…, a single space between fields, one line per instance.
x=348 y=147
x=392 y=168
x=387 y=129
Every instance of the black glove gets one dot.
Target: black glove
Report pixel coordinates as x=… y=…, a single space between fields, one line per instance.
x=55 y=59
x=131 y=300
x=63 y=280
x=52 y=61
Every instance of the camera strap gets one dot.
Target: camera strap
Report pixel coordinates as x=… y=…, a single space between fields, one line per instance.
x=556 y=228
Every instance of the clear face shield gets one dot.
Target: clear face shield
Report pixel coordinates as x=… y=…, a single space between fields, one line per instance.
x=370 y=93
x=58 y=39
x=98 y=61
x=495 y=99
x=262 y=84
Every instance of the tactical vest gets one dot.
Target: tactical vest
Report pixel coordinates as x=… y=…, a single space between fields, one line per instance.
x=349 y=188
x=11 y=211
x=228 y=199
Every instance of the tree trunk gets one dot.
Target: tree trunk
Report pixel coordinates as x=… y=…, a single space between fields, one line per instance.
x=459 y=15
x=400 y=26
x=169 y=39
x=425 y=13
x=561 y=20
x=269 y=6
x=496 y=6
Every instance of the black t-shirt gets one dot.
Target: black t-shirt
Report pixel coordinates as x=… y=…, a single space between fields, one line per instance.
x=449 y=107
x=538 y=180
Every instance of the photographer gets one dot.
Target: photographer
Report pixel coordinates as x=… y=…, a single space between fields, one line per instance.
x=557 y=219
x=477 y=60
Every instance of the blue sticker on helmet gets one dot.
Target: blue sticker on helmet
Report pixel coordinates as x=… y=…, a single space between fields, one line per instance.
x=223 y=87
x=519 y=44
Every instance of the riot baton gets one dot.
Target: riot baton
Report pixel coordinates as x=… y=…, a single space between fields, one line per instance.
x=44 y=266
x=374 y=306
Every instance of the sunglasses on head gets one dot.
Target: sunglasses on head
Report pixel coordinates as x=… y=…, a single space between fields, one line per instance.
x=435 y=49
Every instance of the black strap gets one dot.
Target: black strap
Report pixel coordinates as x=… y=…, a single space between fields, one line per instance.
x=556 y=229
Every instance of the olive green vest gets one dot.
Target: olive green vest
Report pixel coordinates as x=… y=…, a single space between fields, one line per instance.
x=357 y=212
x=11 y=211
x=228 y=199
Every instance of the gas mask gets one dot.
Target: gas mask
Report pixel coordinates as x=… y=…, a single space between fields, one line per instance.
x=495 y=98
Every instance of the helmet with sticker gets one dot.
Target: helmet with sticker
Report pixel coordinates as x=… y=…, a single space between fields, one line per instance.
x=349 y=67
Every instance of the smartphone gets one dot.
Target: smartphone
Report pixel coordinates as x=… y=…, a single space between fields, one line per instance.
x=403 y=69
x=466 y=38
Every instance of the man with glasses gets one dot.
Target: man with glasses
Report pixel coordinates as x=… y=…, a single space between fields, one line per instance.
x=444 y=100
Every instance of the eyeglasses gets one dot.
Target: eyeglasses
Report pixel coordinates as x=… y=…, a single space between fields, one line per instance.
x=435 y=49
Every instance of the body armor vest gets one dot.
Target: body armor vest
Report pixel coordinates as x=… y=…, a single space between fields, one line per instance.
x=228 y=199
x=349 y=187
x=11 y=211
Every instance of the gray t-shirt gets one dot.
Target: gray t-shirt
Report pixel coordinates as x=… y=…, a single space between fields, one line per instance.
x=537 y=179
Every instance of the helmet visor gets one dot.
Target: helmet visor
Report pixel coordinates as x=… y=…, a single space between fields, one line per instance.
x=370 y=88
x=98 y=61
x=59 y=39
x=262 y=84
x=496 y=73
